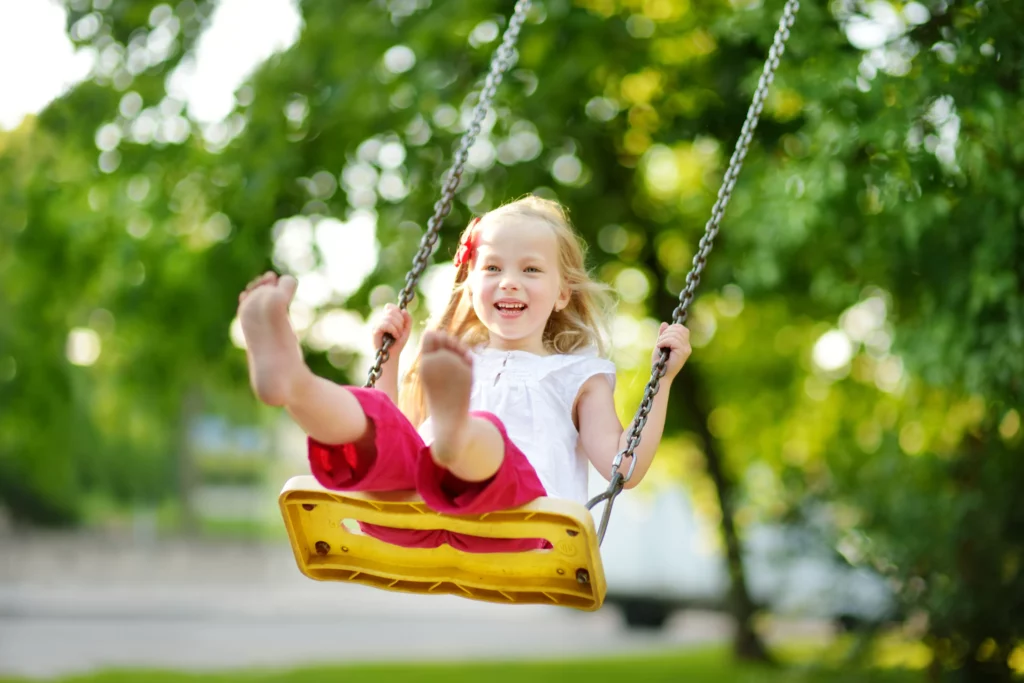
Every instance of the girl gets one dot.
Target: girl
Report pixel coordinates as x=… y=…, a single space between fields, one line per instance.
x=509 y=397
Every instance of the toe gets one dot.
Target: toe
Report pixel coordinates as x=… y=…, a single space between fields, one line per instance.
x=458 y=347
x=431 y=341
x=288 y=285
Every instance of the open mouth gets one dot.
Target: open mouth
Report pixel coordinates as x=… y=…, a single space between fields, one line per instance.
x=508 y=309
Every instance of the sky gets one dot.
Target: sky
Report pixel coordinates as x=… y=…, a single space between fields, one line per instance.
x=33 y=36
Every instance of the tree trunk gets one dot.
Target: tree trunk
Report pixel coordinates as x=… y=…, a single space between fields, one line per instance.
x=747 y=644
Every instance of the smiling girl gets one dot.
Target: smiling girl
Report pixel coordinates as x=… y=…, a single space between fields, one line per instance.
x=508 y=400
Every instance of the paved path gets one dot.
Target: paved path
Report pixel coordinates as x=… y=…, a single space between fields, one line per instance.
x=207 y=638
x=70 y=605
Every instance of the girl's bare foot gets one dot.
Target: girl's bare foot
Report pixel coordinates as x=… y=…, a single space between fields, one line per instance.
x=447 y=373
x=275 y=358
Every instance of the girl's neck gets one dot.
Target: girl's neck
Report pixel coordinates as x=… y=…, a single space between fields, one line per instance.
x=535 y=348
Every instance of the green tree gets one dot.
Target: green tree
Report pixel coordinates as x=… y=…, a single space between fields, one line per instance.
x=879 y=202
x=892 y=214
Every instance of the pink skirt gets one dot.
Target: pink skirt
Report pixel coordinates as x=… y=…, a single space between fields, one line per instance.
x=393 y=457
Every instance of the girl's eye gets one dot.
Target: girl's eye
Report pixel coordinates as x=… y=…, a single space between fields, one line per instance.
x=491 y=268
x=533 y=268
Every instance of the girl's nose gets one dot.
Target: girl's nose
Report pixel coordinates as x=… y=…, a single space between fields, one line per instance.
x=509 y=283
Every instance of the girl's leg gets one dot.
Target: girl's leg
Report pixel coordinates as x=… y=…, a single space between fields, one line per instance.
x=469 y=447
x=514 y=484
x=278 y=373
x=347 y=426
x=472 y=467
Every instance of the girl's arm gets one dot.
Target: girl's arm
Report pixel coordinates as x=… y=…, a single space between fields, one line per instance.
x=601 y=433
x=603 y=437
x=388 y=380
x=397 y=323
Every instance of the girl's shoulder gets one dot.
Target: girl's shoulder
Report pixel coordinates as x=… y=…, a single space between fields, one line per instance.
x=586 y=354
x=571 y=370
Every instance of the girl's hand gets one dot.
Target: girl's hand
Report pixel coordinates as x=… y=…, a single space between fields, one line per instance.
x=397 y=323
x=676 y=338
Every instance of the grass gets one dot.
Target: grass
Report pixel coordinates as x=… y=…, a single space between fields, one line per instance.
x=713 y=665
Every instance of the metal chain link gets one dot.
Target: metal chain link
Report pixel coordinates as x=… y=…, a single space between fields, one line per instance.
x=681 y=312
x=504 y=57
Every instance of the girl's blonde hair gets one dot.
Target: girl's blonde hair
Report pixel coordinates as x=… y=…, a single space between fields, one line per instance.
x=577 y=326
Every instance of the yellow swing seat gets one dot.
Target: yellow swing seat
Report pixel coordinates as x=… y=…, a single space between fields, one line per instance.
x=329 y=547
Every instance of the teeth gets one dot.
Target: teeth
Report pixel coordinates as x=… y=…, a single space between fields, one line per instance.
x=515 y=307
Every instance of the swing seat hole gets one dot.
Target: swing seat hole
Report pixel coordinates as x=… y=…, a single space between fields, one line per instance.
x=582 y=576
x=572 y=532
x=322 y=548
x=352 y=526
x=560 y=571
x=308 y=506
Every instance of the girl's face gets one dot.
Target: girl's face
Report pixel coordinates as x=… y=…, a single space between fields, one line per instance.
x=514 y=282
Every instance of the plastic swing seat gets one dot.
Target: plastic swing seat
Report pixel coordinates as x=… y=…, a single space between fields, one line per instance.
x=328 y=547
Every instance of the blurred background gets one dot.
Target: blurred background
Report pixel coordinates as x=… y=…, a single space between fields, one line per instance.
x=843 y=451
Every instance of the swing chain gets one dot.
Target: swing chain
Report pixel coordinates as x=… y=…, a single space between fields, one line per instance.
x=681 y=312
x=504 y=57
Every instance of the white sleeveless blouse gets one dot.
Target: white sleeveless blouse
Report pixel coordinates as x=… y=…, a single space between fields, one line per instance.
x=533 y=396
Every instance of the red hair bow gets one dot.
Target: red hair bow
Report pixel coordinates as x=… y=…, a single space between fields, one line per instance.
x=466 y=246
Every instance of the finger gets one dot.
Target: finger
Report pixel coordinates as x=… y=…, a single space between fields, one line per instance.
x=259 y=280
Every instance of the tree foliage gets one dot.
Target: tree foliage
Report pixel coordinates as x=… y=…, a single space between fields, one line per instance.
x=859 y=326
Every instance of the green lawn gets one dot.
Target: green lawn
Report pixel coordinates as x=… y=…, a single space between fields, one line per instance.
x=704 y=666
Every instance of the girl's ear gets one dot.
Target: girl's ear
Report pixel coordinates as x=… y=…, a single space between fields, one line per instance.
x=564 y=295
